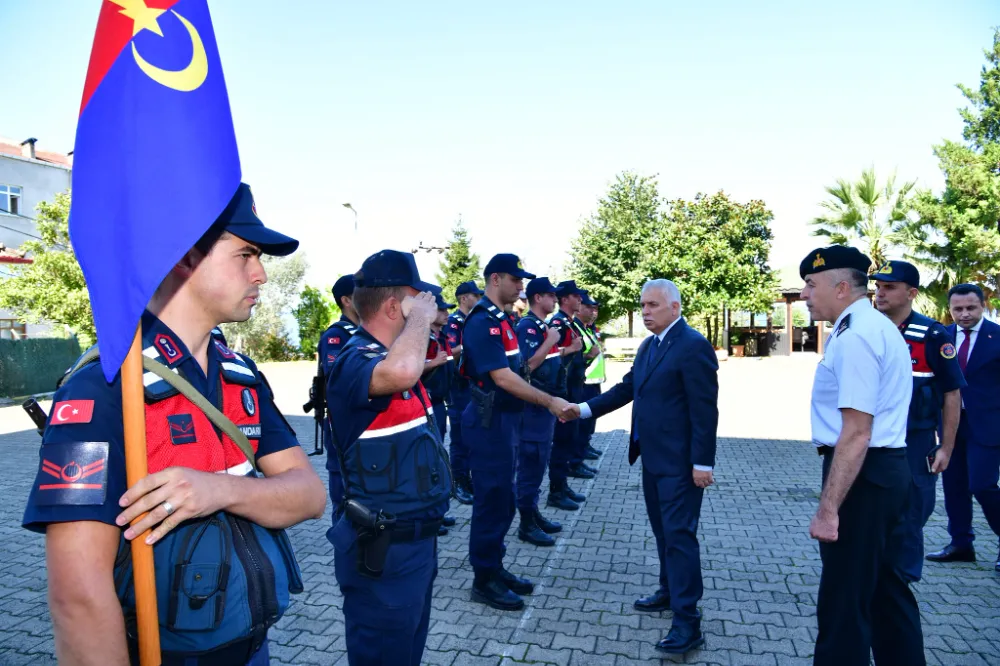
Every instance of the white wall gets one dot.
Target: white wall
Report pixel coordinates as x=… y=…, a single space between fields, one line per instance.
x=39 y=182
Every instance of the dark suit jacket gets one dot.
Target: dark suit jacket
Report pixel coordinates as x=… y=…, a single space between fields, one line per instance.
x=676 y=395
x=982 y=394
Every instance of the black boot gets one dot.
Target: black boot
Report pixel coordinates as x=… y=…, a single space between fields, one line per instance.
x=547 y=526
x=514 y=583
x=530 y=532
x=579 y=472
x=461 y=490
x=490 y=590
x=573 y=495
x=591 y=454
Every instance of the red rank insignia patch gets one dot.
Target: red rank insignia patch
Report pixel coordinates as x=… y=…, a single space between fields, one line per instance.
x=72 y=411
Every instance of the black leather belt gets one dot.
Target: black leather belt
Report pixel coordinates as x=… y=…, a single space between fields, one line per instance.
x=403 y=532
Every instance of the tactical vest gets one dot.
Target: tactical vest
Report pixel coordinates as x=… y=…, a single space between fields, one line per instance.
x=546 y=376
x=398 y=464
x=500 y=325
x=927 y=401
x=595 y=369
x=221 y=580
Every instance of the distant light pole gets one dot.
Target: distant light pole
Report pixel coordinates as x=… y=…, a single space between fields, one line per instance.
x=351 y=208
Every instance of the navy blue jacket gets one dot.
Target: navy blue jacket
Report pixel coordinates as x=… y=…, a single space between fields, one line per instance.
x=982 y=374
x=675 y=413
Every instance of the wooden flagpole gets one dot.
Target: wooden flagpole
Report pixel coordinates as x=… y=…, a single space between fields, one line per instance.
x=134 y=419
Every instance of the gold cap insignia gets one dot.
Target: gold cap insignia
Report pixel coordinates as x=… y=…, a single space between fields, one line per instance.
x=820 y=261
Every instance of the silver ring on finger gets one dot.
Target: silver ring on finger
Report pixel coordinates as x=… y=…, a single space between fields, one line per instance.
x=168 y=507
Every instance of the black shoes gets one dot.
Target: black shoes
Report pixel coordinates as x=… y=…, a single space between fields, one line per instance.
x=581 y=471
x=513 y=583
x=591 y=454
x=448 y=521
x=531 y=532
x=462 y=492
x=560 y=500
x=548 y=526
x=681 y=639
x=657 y=602
x=579 y=498
x=952 y=554
x=591 y=449
x=495 y=594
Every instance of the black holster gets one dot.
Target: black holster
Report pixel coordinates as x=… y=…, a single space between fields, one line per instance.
x=484 y=405
x=374 y=537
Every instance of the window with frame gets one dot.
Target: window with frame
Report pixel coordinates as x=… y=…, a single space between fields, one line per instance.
x=12 y=329
x=10 y=199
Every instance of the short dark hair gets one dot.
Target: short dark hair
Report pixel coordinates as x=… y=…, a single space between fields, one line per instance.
x=367 y=300
x=966 y=288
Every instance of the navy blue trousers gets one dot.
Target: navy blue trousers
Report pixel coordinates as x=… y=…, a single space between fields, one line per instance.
x=973 y=471
x=533 y=452
x=673 y=504
x=458 y=449
x=910 y=531
x=563 y=441
x=385 y=619
x=587 y=427
x=492 y=460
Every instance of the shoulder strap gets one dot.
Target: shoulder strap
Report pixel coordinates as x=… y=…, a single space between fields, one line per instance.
x=221 y=421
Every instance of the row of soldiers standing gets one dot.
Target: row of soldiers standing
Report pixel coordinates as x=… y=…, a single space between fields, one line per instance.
x=501 y=380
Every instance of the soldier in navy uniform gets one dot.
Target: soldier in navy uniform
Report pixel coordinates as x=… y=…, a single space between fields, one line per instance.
x=936 y=401
x=561 y=496
x=491 y=423
x=539 y=344
x=331 y=342
x=396 y=480
x=860 y=406
x=201 y=482
x=467 y=294
x=438 y=377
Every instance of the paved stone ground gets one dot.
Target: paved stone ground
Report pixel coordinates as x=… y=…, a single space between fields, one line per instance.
x=760 y=567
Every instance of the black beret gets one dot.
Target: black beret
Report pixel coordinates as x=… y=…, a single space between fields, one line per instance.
x=833 y=257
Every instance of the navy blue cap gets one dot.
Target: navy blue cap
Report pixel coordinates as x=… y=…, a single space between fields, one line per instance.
x=391 y=268
x=540 y=285
x=240 y=219
x=833 y=257
x=507 y=263
x=343 y=287
x=468 y=288
x=441 y=303
x=568 y=288
x=587 y=300
x=898 y=271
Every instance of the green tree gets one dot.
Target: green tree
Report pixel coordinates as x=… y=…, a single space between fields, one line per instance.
x=459 y=264
x=314 y=313
x=716 y=250
x=609 y=256
x=264 y=336
x=957 y=236
x=52 y=287
x=867 y=216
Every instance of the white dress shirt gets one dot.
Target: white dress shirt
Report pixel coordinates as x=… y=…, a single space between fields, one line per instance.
x=585 y=412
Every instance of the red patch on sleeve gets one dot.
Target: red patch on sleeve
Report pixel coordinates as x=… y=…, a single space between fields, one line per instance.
x=494 y=331
x=72 y=411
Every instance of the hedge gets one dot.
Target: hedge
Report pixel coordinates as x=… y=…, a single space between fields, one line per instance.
x=34 y=365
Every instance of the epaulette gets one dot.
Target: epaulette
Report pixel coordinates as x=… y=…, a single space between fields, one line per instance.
x=845 y=324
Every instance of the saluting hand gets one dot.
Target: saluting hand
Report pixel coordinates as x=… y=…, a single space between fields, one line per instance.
x=422 y=304
x=186 y=492
x=825 y=527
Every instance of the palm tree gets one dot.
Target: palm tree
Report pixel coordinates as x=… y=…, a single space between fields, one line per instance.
x=866 y=216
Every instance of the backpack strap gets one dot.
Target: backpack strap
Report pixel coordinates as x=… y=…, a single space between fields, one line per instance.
x=172 y=377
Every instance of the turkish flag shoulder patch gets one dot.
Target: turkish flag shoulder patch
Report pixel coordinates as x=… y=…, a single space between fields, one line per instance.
x=72 y=411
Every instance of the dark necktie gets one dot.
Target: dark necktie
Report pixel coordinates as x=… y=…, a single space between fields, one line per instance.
x=963 y=350
x=654 y=347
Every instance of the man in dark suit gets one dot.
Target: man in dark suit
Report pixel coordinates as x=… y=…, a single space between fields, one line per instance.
x=974 y=469
x=675 y=387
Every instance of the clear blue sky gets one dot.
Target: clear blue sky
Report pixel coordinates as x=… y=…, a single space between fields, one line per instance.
x=517 y=115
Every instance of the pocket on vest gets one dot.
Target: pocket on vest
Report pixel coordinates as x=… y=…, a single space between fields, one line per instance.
x=431 y=474
x=200 y=576
x=377 y=466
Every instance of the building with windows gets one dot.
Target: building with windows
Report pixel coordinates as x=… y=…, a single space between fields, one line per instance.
x=28 y=176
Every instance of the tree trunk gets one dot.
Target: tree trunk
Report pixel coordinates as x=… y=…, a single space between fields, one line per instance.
x=630 y=329
x=708 y=327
